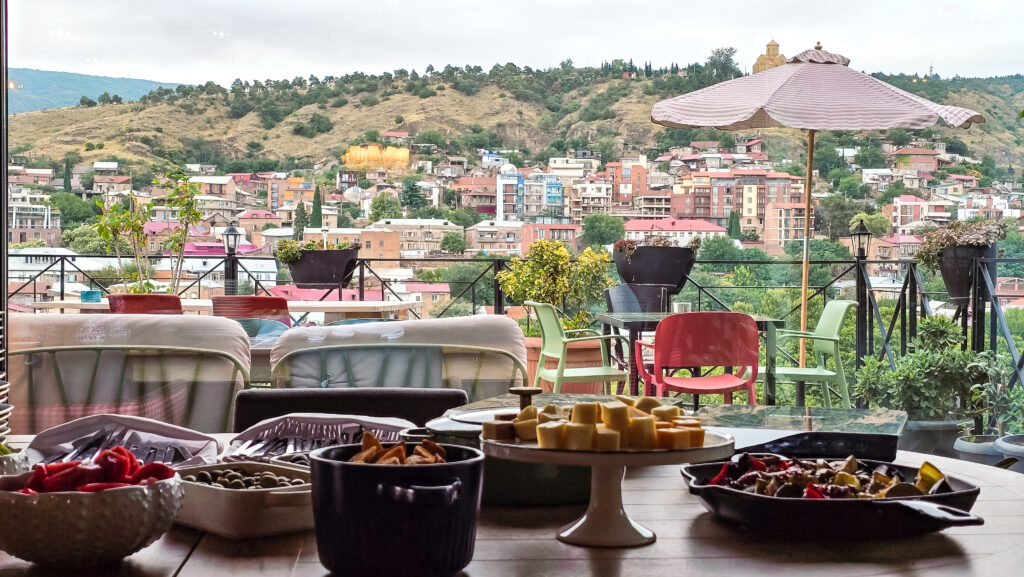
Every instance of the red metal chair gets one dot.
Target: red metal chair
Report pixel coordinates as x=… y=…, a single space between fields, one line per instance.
x=704 y=339
x=144 y=304
x=252 y=307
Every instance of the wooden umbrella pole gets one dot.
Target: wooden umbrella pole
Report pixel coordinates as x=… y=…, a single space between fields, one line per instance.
x=807 y=242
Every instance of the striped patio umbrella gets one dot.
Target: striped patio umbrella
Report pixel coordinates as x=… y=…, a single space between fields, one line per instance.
x=814 y=90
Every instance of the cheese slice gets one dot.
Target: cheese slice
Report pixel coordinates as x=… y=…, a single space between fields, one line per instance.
x=527 y=414
x=615 y=416
x=665 y=412
x=647 y=404
x=642 y=433
x=683 y=422
x=662 y=424
x=696 y=436
x=628 y=401
x=606 y=439
x=551 y=435
x=579 y=436
x=673 y=439
x=548 y=417
x=526 y=430
x=585 y=413
x=498 y=430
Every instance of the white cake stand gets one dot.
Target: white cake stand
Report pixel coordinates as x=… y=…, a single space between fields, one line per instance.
x=606 y=524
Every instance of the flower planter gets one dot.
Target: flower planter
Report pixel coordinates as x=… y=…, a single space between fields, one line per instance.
x=932 y=437
x=1012 y=446
x=955 y=266
x=978 y=449
x=320 y=269
x=666 y=265
x=580 y=355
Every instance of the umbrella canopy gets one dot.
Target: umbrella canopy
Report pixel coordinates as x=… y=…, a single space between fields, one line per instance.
x=814 y=90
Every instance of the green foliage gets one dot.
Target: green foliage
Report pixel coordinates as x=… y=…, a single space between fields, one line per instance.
x=899 y=137
x=369 y=100
x=384 y=206
x=316 y=218
x=603 y=229
x=932 y=382
x=318 y=124
x=73 y=210
x=300 y=221
x=835 y=212
x=870 y=157
x=86 y=240
x=289 y=251
x=734 y=225
x=453 y=242
x=464 y=218
x=877 y=223
x=959 y=233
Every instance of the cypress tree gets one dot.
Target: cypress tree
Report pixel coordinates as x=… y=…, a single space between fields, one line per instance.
x=300 y=222
x=734 y=225
x=316 y=218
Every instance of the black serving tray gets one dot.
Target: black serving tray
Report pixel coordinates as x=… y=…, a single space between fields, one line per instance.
x=836 y=519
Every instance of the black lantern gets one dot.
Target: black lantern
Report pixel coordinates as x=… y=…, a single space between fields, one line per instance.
x=861 y=236
x=230 y=237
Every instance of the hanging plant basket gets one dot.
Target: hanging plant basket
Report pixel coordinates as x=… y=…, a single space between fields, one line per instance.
x=955 y=265
x=320 y=269
x=666 y=265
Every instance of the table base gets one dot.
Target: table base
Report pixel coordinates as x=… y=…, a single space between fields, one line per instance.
x=605 y=523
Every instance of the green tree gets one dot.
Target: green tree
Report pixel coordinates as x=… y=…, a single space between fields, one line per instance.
x=88 y=179
x=412 y=198
x=87 y=102
x=463 y=217
x=826 y=157
x=85 y=240
x=876 y=223
x=726 y=141
x=734 y=225
x=850 y=186
x=602 y=229
x=67 y=174
x=870 y=157
x=834 y=212
x=364 y=183
x=453 y=242
x=73 y=210
x=316 y=218
x=837 y=174
x=891 y=191
x=899 y=137
x=385 y=206
x=300 y=221
x=719 y=248
x=104 y=98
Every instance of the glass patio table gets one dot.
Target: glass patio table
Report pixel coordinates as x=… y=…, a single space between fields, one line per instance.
x=637 y=323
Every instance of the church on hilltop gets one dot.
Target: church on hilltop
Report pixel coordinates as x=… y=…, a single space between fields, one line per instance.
x=770 y=59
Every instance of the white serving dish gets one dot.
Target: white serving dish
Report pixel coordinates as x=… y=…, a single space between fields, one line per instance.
x=244 y=513
x=14 y=464
x=75 y=530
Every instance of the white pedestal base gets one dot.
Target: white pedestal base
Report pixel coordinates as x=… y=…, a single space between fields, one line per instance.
x=605 y=524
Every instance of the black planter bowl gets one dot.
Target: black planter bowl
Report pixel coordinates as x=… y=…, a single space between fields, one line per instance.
x=396 y=520
x=665 y=265
x=318 y=269
x=955 y=266
x=802 y=519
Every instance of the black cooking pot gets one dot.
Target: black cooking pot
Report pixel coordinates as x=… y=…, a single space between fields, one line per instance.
x=396 y=520
x=511 y=483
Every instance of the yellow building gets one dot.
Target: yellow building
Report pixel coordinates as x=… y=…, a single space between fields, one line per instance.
x=770 y=59
x=373 y=155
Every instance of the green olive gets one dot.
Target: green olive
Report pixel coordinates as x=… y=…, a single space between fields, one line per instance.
x=204 y=477
x=268 y=482
x=190 y=478
x=236 y=484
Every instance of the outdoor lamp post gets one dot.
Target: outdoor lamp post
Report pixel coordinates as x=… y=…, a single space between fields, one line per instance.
x=230 y=239
x=323 y=231
x=861 y=237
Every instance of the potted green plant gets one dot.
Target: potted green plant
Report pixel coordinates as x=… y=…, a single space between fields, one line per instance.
x=932 y=383
x=1007 y=406
x=994 y=400
x=318 y=265
x=549 y=274
x=952 y=250
x=655 y=260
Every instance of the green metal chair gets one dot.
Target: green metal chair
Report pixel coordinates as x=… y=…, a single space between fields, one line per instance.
x=826 y=344
x=554 y=345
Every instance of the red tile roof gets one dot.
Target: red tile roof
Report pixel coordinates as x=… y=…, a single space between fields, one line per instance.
x=909 y=198
x=258 y=213
x=680 y=224
x=704 y=144
x=905 y=239
x=116 y=179
x=393 y=134
x=427 y=287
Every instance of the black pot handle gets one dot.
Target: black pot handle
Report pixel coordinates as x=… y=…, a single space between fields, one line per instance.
x=944 y=514
x=421 y=495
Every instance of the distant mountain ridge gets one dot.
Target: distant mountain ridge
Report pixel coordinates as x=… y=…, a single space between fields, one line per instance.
x=45 y=89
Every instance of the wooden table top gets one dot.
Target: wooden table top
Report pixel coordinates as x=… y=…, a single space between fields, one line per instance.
x=206 y=306
x=521 y=541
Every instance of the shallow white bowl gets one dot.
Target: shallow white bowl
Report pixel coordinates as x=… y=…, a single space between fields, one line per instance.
x=14 y=464
x=75 y=529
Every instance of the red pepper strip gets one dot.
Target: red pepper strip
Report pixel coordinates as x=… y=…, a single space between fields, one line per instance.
x=65 y=480
x=27 y=491
x=812 y=492
x=159 y=471
x=94 y=487
x=92 y=473
x=757 y=465
x=115 y=465
x=35 y=482
x=54 y=468
x=132 y=460
x=722 y=478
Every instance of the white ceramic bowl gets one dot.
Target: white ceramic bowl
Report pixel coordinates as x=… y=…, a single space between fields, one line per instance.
x=72 y=529
x=14 y=464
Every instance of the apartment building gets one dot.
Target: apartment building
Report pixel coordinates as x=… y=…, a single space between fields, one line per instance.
x=542 y=196
x=713 y=196
x=907 y=209
x=922 y=159
x=592 y=195
x=496 y=237
x=373 y=242
x=103 y=184
x=566 y=233
x=418 y=236
x=27 y=221
x=283 y=190
x=252 y=221
x=509 y=187
x=222 y=186
x=678 y=231
x=784 y=222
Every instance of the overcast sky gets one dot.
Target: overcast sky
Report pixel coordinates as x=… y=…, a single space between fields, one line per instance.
x=193 y=41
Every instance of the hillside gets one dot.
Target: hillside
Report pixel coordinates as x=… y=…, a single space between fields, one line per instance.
x=538 y=112
x=45 y=89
